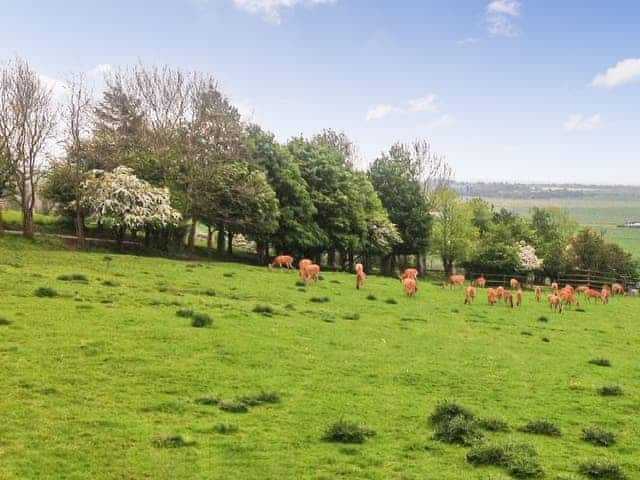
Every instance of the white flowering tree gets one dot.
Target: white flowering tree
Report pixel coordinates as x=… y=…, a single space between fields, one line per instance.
x=528 y=258
x=125 y=202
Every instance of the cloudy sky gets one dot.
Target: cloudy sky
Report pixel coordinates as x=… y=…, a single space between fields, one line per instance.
x=526 y=90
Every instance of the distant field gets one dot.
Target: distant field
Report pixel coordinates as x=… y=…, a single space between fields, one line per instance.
x=604 y=214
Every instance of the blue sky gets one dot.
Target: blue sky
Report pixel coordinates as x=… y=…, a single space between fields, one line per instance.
x=506 y=90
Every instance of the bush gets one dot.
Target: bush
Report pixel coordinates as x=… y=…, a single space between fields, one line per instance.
x=265 y=310
x=4 y=321
x=391 y=301
x=319 y=299
x=493 y=424
x=543 y=319
x=110 y=283
x=519 y=459
x=233 y=406
x=259 y=399
x=598 y=437
x=225 y=428
x=602 y=468
x=347 y=432
x=351 y=316
x=445 y=411
x=73 y=277
x=601 y=362
x=610 y=391
x=172 y=441
x=371 y=297
x=45 y=292
x=542 y=427
x=454 y=424
x=209 y=401
x=200 y=320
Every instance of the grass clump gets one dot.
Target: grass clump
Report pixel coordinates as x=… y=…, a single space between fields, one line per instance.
x=391 y=301
x=610 y=391
x=225 y=428
x=184 y=313
x=519 y=459
x=110 y=283
x=208 y=401
x=45 y=292
x=209 y=292
x=542 y=427
x=345 y=431
x=454 y=424
x=493 y=424
x=172 y=441
x=300 y=283
x=543 y=318
x=601 y=362
x=4 y=321
x=228 y=274
x=201 y=320
x=602 y=469
x=265 y=310
x=233 y=406
x=371 y=297
x=319 y=299
x=351 y=316
x=598 y=436
x=259 y=399
x=73 y=277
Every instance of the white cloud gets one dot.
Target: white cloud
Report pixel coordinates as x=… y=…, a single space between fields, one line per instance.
x=246 y=110
x=58 y=87
x=500 y=15
x=445 y=120
x=423 y=104
x=270 y=9
x=428 y=103
x=100 y=70
x=379 y=111
x=467 y=41
x=625 y=71
x=577 y=122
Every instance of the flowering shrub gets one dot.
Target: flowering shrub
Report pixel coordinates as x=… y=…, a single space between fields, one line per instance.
x=527 y=257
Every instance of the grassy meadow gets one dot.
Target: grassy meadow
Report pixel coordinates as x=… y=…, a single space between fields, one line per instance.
x=600 y=213
x=104 y=377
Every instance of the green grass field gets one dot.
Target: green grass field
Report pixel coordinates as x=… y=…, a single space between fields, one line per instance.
x=94 y=378
x=602 y=214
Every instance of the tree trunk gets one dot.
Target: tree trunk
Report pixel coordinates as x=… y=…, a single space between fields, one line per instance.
x=27 y=222
x=422 y=263
x=120 y=232
x=1 y=220
x=331 y=258
x=229 y=243
x=191 y=241
x=220 y=240
x=448 y=266
x=79 y=224
x=351 y=260
x=209 y=237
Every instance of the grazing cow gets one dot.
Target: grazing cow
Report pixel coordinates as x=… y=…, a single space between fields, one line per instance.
x=479 y=282
x=537 y=290
x=514 y=284
x=409 y=273
x=617 y=289
x=595 y=294
x=555 y=303
x=491 y=296
x=302 y=264
x=605 y=293
x=519 y=297
x=311 y=272
x=409 y=285
x=582 y=288
x=360 y=276
x=282 y=261
x=456 y=280
x=508 y=299
x=500 y=292
x=568 y=298
x=554 y=288
x=569 y=288
x=471 y=294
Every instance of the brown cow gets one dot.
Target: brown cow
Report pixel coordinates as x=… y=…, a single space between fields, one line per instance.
x=471 y=294
x=360 y=277
x=456 y=280
x=569 y=288
x=514 y=284
x=282 y=261
x=519 y=297
x=359 y=268
x=479 y=282
x=508 y=299
x=500 y=292
x=409 y=273
x=491 y=296
x=409 y=285
x=568 y=298
x=302 y=264
x=537 y=290
x=311 y=272
x=554 y=288
x=595 y=294
x=605 y=293
x=582 y=288
x=617 y=289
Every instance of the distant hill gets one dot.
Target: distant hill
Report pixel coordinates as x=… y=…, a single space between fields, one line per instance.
x=545 y=191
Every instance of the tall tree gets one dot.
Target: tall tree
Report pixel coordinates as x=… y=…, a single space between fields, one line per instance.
x=27 y=121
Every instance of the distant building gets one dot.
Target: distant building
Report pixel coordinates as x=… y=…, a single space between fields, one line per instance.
x=634 y=224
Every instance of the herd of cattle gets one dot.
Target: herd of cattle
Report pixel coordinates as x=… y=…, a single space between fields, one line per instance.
x=558 y=299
